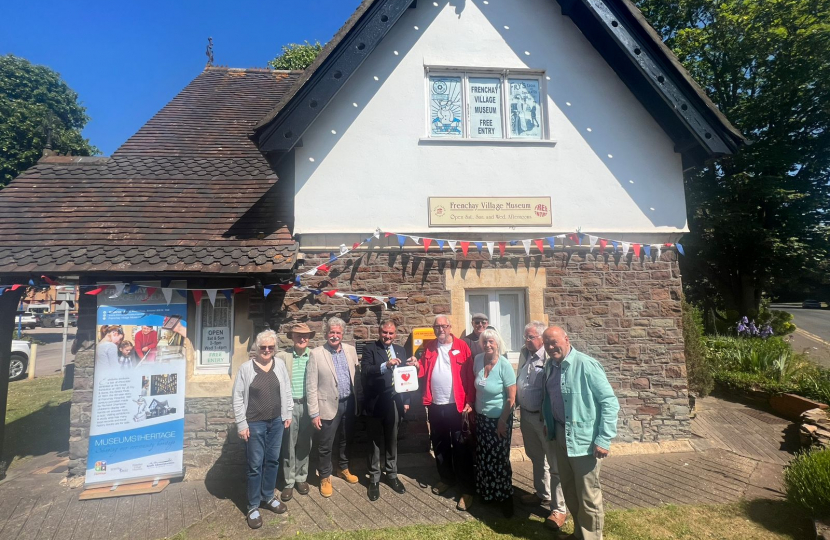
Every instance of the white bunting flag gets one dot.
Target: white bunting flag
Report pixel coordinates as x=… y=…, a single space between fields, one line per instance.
x=452 y=244
x=339 y=295
x=593 y=241
x=119 y=288
x=377 y=233
x=311 y=272
x=416 y=239
x=212 y=295
x=490 y=246
x=526 y=244
x=168 y=294
x=625 y=246
x=343 y=249
x=659 y=250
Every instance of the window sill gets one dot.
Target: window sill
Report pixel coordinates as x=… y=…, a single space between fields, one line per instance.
x=484 y=142
x=217 y=370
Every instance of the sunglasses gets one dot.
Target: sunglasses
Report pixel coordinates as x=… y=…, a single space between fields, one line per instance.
x=265 y=348
x=480 y=322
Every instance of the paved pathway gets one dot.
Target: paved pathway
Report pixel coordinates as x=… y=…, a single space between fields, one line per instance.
x=734 y=459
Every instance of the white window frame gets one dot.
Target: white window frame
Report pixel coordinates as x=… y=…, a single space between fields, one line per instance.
x=504 y=76
x=493 y=302
x=214 y=368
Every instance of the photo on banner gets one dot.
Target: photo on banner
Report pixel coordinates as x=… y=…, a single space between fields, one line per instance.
x=137 y=421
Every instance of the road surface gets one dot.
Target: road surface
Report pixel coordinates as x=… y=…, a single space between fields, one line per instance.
x=49 y=352
x=813 y=331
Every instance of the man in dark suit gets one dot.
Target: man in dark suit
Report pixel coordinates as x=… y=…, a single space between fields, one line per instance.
x=384 y=406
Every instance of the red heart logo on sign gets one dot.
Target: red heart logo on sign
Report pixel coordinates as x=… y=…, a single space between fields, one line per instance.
x=405 y=376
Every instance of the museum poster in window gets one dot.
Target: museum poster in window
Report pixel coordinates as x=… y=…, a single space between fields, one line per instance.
x=215 y=323
x=137 y=421
x=525 y=108
x=485 y=107
x=445 y=106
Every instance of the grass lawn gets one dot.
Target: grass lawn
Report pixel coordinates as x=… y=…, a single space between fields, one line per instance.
x=755 y=520
x=37 y=419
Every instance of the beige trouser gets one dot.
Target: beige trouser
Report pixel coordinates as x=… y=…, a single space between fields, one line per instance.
x=580 y=483
x=541 y=454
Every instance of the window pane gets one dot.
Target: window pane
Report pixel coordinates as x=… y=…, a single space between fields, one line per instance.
x=445 y=106
x=216 y=332
x=479 y=303
x=509 y=321
x=525 y=109
x=485 y=107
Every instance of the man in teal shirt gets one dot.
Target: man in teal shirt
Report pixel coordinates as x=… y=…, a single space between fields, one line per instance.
x=296 y=442
x=580 y=412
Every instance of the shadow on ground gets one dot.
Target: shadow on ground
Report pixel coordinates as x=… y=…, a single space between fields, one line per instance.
x=781 y=517
x=38 y=433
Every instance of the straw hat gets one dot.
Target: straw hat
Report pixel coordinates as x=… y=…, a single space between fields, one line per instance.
x=301 y=328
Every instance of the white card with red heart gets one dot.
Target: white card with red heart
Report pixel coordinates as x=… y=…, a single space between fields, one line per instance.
x=406 y=379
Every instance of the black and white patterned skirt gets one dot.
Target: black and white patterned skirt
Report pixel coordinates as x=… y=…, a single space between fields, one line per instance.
x=494 y=475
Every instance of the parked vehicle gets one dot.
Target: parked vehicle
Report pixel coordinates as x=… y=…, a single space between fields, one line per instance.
x=811 y=304
x=55 y=320
x=26 y=320
x=38 y=309
x=20 y=360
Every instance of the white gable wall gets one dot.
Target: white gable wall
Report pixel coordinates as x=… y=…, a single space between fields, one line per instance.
x=363 y=165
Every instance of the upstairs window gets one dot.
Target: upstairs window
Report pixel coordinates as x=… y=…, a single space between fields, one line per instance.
x=485 y=105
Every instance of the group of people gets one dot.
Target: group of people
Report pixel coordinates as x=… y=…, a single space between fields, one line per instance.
x=568 y=416
x=113 y=350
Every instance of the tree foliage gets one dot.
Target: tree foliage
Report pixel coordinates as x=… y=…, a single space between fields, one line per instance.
x=757 y=218
x=296 y=56
x=33 y=101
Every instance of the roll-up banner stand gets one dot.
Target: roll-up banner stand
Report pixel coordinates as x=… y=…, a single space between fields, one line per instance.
x=137 y=427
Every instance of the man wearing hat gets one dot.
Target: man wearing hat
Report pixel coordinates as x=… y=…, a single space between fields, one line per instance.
x=480 y=322
x=296 y=442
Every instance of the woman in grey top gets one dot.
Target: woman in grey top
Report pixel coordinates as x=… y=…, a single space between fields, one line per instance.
x=261 y=399
x=106 y=353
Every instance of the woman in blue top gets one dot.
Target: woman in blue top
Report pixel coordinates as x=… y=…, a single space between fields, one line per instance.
x=495 y=383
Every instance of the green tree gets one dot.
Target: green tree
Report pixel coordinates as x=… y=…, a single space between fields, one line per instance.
x=34 y=101
x=757 y=218
x=296 y=56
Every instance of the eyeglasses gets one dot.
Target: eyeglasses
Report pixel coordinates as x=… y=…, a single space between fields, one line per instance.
x=480 y=323
x=531 y=338
x=441 y=326
x=264 y=348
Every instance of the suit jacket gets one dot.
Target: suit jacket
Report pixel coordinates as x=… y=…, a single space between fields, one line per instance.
x=378 y=389
x=322 y=394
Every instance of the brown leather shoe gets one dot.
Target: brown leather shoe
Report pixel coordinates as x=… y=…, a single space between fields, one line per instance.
x=440 y=488
x=464 y=503
x=347 y=476
x=302 y=488
x=325 y=487
x=555 y=520
x=531 y=499
x=254 y=518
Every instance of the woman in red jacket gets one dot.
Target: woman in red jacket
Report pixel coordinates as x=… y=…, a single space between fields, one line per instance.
x=449 y=394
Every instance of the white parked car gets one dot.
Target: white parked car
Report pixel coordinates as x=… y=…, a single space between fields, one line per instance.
x=26 y=320
x=20 y=360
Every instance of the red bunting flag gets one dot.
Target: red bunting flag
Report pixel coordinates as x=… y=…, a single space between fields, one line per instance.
x=237 y=290
x=387 y=235
x=323 y=268
x=668 y=245
x=602 y=243
x=18 y=285
x=197 y=295
x=464 y=247
x=49 y=280
x=573 y=238
x=427 y=242
x=354 y=246
x=330 y=293
x=150 y=291
x=286 y=286
x=540 y=245
x=636 y=248
x=369 y=299
x=501 y=248
x=93 y=292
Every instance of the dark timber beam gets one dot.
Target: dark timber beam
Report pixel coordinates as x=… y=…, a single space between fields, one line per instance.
x=9 y=301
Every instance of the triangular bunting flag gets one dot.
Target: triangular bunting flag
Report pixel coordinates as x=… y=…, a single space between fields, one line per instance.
x=377 y=233
x=636 y=248
x=539 y=245
x=369 y=299
x=526 y=244
x=659 y=251
x=392 y=300
x=625 y=246
x=49 y=280
x=593 y=241
x=228 y=293
x=552 y=241
x=679 y=248
x=133 y=288
x=464 y=247
x=286 y=286
x=324 y=268
x=452 y=247
x=339 y=295
x=32 y=282
x=615 y=244
x=237 y=290
x=479 y=245
x=490 y=246
x=387 y=235
x=355 y=245
x=354 y=298
x=150 y=292
x=602 y=243
x=212 y=296
x=119 y=288
x=440 y=244
x=182 y=293
x=501 y=249
x=312 y=272
x=343 y=249
x=427 y=243
x=197 y=296
x=330 y=293
x=168 y=294
x=3 y=289
x=647 y=249
x=93 y=292
x=416 y=239
x=401 y=240
x=514 y=242
x=266 y=291
x=18 y=285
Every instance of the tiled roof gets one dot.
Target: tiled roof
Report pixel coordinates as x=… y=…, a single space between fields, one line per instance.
x=188 y=192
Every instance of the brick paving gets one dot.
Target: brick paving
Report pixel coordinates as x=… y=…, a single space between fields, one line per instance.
x=739 y=454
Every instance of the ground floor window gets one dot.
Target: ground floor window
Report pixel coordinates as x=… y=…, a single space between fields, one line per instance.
x=214 y=334
x=506 y=310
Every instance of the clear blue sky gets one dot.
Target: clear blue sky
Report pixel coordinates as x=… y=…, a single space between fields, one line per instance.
x=127 y=59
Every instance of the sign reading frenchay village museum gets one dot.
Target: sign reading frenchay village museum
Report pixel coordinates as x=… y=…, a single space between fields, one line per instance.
x=489 y=212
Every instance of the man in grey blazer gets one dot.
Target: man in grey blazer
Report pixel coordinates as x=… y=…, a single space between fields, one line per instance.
x=334 y=395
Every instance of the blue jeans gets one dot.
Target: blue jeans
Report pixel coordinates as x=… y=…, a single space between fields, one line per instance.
x=263 y=451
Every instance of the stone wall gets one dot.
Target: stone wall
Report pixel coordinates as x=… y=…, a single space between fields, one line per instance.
x=80 y=412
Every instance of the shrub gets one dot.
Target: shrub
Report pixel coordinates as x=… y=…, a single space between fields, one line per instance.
x=814 y=384
x=807 y=481
x=752 y=355
x=698 y=368
x=780 y=321
x=738 y=381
